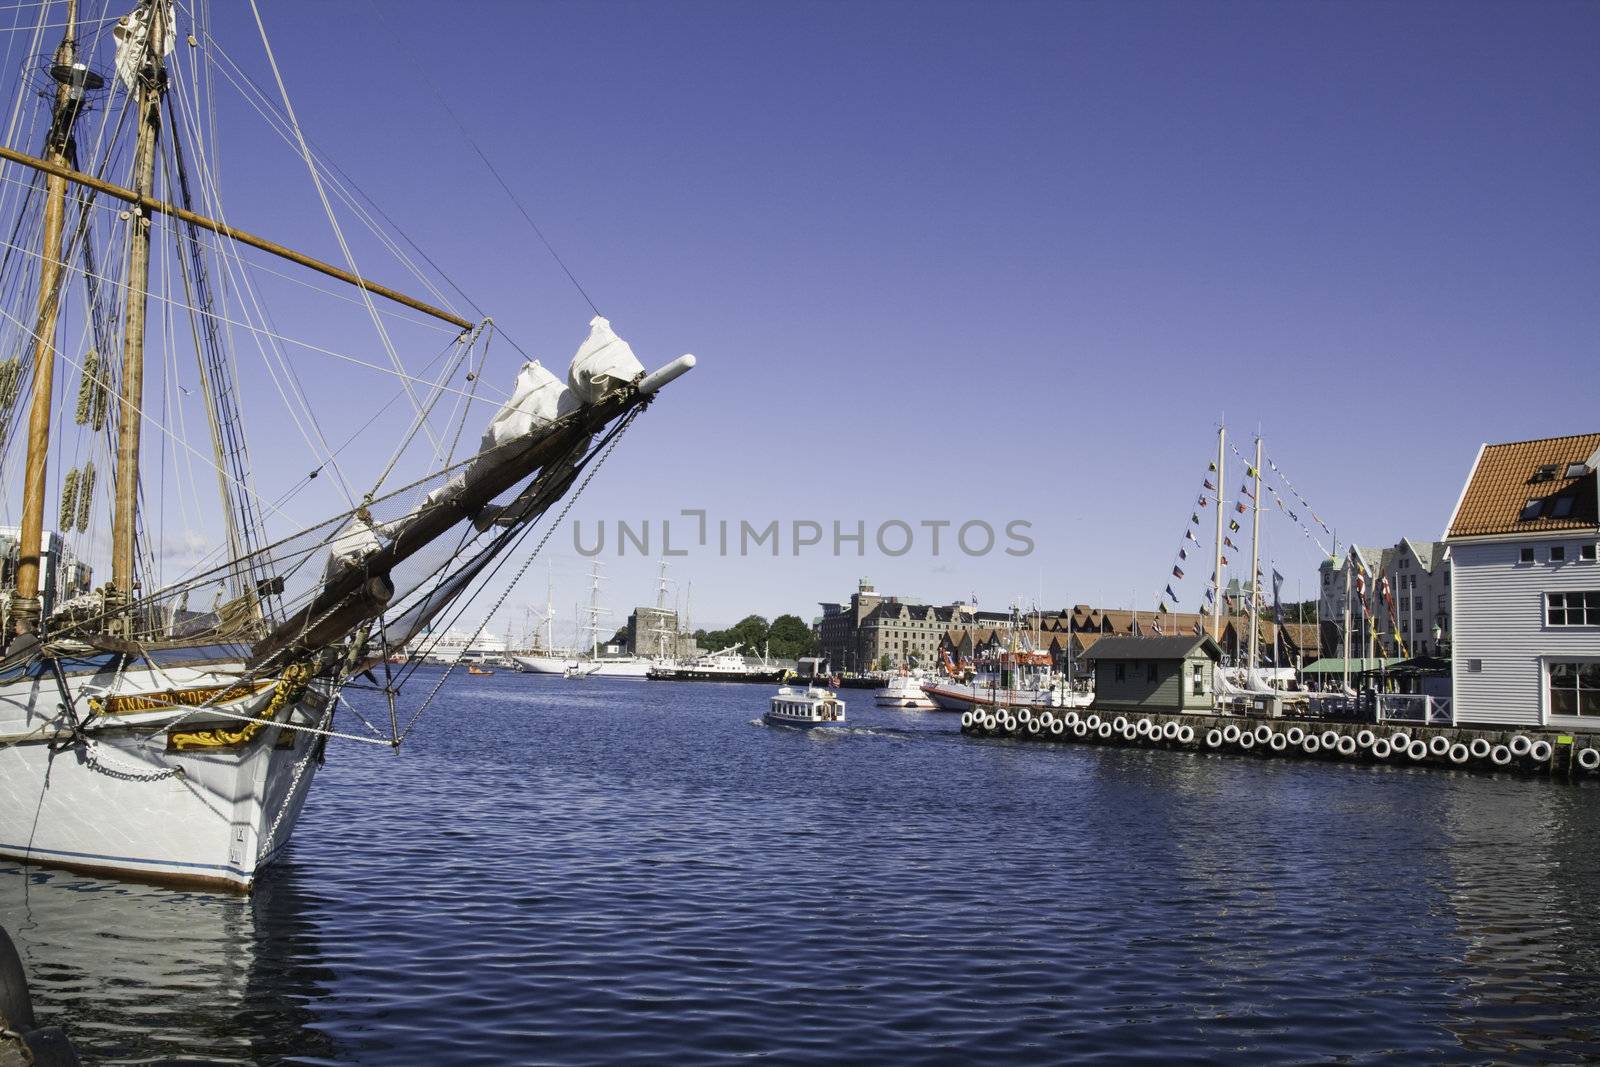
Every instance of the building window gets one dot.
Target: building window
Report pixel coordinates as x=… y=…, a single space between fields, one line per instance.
x=1575 y=689
x=1121 y=672
x=1586 y=552
x=1527 y=555
x=1558 y=553
x=1474 y=666
x=1573 y=609
x=1149 y=672
x=1199 y=684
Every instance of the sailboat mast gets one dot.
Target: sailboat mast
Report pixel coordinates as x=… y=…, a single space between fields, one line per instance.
x=1255 y=560
x=26 y=606
x=1347 y=607
x=1216 y=574
x=152 y=77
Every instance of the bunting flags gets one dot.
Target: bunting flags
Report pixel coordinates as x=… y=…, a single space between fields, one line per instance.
x=1224 y=561
x=1198 y=629
x=1239 y=507
x=1189 y=537
x=1233 y=524
x=1277 y=605
x=1229 y=542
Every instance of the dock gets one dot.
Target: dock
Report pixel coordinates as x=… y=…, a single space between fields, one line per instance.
x=1477 y=748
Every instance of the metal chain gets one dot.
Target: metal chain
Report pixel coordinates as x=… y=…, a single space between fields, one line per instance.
x=91 y=757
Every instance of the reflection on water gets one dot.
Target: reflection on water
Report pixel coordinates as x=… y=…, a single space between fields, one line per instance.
x=608 y=871
x=140 y=974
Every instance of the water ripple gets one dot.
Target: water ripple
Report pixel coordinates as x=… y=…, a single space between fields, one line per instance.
x=620 y=872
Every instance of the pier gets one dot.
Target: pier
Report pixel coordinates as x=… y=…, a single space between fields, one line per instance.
x=1505 y=750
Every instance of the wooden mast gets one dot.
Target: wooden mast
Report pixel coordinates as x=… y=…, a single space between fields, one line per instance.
x=152 y=76
x=26 y=605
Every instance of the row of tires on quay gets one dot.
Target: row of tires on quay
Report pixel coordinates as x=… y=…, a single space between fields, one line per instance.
x=1369 y=743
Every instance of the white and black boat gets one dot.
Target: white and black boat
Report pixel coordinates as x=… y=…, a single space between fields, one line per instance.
x=724 y=666
x=805 y=708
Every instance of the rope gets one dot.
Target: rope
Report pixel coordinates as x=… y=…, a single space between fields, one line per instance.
x=572 y=498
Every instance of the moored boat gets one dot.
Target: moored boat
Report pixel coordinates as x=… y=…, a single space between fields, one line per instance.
x=904 y=691
x=139 y=736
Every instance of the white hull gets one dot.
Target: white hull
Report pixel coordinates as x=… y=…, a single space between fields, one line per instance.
x=954 y=696
x=585 y=668
x=123 y=812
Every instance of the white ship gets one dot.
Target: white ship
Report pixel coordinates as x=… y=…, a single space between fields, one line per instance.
x=170 y=723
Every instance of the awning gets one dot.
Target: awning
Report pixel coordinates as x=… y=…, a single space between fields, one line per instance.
x=1363 y=665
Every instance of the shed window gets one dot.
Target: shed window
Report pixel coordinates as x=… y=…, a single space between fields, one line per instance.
x=1199 y=682
x=1121 y=673
x=1575 y=689
x=1150 y=672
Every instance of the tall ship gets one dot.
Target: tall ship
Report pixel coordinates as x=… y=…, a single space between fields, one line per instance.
x=598 y=660
x=168 y=721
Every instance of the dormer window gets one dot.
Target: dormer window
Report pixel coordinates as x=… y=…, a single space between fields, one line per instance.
x=1545 y=473
x=1530 y=510
x=1576 y=470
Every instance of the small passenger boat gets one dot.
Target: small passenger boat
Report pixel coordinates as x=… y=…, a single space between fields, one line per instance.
x=473 y=668
x=805 y=708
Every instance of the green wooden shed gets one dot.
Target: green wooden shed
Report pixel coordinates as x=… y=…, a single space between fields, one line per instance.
x=1155 y=673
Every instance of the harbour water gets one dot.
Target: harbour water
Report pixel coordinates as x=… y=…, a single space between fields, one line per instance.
x=604 y=872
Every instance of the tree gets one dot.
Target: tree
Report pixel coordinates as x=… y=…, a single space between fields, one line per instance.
x=791 y=638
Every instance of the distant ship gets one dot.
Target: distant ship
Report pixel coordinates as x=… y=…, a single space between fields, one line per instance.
x=724 y=666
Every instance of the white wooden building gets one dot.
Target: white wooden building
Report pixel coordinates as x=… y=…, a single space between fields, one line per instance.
x=1525 y=585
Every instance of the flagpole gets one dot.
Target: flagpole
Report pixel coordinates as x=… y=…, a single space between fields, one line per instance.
x=1216 y=573
x=1255 y=564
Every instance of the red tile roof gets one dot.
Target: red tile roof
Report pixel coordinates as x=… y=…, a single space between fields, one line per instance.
x=1505 y=480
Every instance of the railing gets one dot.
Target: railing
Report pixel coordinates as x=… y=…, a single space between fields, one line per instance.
x=1414 y=707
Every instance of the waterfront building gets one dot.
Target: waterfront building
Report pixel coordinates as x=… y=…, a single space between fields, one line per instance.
x=1419 y=589
x=1155 y=673
x=655 y=632
x=874 y=629
x=1525 y=595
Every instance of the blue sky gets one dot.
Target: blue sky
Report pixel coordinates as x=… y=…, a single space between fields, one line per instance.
x=989 y=261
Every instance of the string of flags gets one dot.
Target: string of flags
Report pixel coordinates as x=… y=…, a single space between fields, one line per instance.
x=1169 y=595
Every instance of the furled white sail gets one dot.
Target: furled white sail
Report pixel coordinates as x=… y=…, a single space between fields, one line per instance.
x=131 y=32
x=604 y=361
